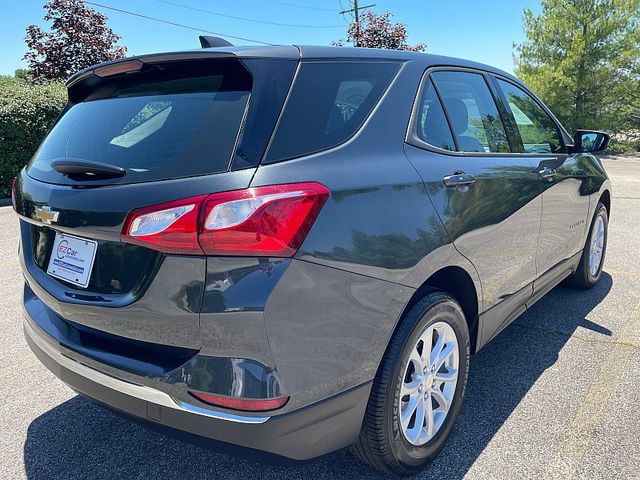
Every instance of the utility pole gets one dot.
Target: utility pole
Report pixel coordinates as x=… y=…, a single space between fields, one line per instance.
x=355 y=10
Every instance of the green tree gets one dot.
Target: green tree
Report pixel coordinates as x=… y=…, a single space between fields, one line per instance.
x=21 y=73
x=378 y=31
x=583 y=58
x=79 y=37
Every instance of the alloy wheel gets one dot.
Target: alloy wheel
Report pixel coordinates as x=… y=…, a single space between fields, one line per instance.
x=596 y=249
x=429 y=383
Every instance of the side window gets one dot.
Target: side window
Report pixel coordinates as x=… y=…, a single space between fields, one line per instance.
x=538 y=131
x=472 y=111
x=328 y=103
x=351 y=94
x=432 y=124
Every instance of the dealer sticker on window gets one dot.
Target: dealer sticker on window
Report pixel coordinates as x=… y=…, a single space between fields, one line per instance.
x=72 y=259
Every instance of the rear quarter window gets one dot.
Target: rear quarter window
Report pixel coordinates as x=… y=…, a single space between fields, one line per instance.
x=329 y=102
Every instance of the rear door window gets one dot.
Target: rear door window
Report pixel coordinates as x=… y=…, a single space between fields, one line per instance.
x=472 y=111
x=538 y=131
x=328 y=103
x=155 y=127
x=432 y=126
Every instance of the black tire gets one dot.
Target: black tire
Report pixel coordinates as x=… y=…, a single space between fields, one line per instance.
x=381 y=443
x=582 y=278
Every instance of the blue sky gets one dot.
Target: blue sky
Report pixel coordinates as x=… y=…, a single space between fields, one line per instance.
x=477 y=30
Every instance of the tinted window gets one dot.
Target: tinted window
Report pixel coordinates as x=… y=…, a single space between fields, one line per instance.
x=539 y=133
x=272 y=79
x=432 y=124
x=164 y=129
x=328 y=103
x=472 y=111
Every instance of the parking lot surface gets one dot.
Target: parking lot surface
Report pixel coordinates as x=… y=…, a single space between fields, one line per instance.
x=556 y=395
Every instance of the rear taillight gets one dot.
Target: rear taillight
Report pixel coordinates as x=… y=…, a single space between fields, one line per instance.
x=261 y=221
x=170 y=227
x=247 y=404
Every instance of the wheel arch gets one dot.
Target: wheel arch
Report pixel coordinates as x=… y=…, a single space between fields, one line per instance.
x=458 y=283
x=605 y=199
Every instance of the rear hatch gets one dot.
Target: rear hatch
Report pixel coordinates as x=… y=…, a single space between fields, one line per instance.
x=141 y=132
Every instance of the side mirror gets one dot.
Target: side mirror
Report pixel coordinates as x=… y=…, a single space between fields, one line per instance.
x=590 y=141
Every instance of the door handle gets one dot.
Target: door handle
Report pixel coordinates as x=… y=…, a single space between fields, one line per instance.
x=547 y=173
x=459 y=180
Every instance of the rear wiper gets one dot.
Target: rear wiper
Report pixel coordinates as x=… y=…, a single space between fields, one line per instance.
x=90 y=168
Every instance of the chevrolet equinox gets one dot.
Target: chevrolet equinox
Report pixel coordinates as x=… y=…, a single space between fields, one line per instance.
x=297 y=249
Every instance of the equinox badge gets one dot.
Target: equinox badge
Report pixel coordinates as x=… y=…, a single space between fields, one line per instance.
x=46 y=215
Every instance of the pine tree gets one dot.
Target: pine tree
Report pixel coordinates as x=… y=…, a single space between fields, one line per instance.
x=583 y=58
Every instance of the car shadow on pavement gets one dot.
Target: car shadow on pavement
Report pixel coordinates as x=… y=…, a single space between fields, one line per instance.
x=78 y=439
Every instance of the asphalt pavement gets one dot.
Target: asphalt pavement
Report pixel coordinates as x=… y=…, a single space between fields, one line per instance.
x=556 y=395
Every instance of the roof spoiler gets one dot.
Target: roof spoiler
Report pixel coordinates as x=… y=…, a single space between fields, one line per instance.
x=207 y=41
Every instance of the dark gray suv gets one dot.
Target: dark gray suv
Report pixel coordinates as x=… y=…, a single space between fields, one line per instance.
x=297 y=249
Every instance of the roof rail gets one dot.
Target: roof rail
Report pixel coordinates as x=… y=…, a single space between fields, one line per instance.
x=207 y=41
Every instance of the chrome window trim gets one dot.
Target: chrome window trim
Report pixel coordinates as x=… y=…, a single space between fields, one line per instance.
x=559 y=129
x=411 y=136
x=565 y=137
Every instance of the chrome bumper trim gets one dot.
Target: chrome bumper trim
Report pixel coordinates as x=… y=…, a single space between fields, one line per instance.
x=142 y=392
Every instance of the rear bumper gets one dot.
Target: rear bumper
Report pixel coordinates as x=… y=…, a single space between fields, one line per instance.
x=302 y=434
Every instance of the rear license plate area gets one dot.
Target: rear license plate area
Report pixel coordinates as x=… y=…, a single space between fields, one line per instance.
x=72 y=259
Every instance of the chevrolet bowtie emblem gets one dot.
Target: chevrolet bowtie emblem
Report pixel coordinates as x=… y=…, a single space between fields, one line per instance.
x=46 y=215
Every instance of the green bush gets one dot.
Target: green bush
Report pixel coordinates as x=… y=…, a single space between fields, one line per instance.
x=623 y=146
x=27 y=111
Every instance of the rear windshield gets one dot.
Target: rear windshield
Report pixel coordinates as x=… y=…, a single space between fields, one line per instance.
x=158 y=125
x=328 y=103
